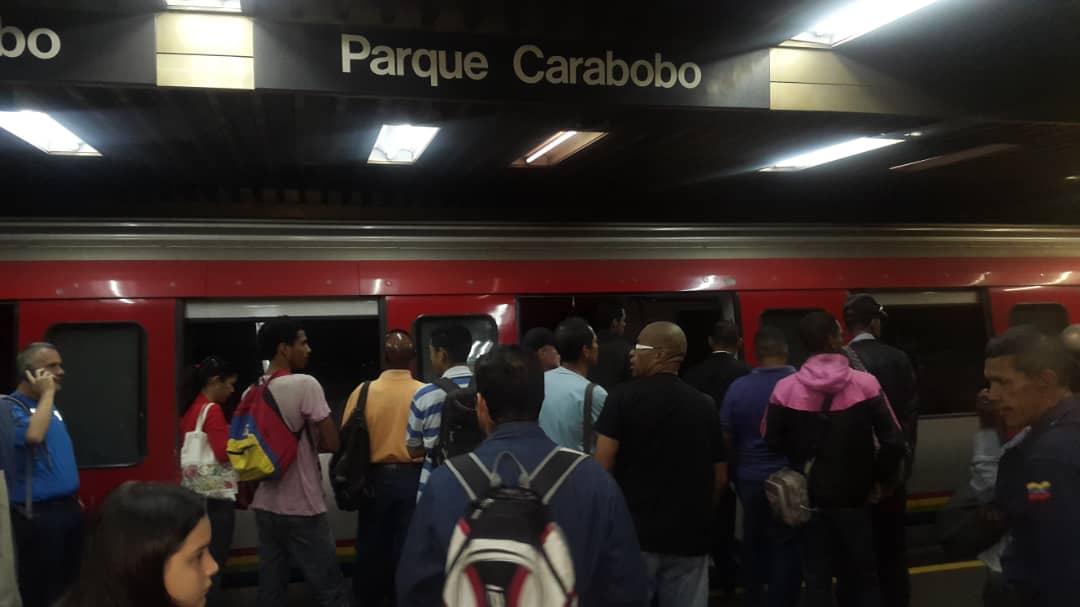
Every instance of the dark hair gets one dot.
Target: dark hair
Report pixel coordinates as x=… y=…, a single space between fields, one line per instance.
x=198 y=375
x=280 y=330
x=511 y=381
x=571 y=336
x=609 y=312
x=725 y=333
x=142 y=525
x=455 y=339
x=538 y=337
x=770 y=342
x=816 y=329
x=1033 y=352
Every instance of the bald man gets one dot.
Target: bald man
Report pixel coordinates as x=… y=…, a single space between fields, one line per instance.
x=381 y=527
x=1071 y=338
x=661 y=440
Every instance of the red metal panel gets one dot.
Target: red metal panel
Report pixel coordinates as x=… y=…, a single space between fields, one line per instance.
x=402 y=311
x=21 y=280
x=158 y=318
x=753 y=303
x=1003 y=300
x=280 y=279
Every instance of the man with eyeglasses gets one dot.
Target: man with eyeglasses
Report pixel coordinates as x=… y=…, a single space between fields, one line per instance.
x=661 y=440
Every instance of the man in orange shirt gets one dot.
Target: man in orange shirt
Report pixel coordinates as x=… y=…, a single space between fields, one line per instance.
x=382 y=524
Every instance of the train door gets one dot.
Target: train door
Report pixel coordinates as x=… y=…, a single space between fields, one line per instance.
x=491 y=319
x=119 y=393
x=1048 y=308
x=783 y=310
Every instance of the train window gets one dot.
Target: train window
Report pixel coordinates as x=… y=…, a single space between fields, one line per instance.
x=484 y=331
x=8 y=347
x=1049 y=318
x=787 y=320
x=944 y=334
x=104 y=396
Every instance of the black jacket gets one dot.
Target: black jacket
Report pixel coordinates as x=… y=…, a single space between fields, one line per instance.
x=613 y=367
x=715 y=374
x=892 y=368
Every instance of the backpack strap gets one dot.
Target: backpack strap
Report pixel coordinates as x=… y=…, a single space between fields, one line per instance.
x=471 y=473
x=28 y=480
x=446 y=384
x=586 y=419
x=553 y=471
x=268 y=396
x=361 y=403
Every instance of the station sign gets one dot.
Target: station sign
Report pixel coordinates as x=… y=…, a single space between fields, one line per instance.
x=71 y=46
x=394 y=63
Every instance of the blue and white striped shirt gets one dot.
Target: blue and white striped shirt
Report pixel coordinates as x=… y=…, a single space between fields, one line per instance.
x=425 y=418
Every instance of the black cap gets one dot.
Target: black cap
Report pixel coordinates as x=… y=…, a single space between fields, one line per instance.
x=537 y=338
x=861 y=309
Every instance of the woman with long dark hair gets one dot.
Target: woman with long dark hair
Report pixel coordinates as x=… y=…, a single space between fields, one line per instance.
x=151 y=549
x=204 y=460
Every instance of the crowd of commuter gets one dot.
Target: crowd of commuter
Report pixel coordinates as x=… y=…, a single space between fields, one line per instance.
x=577 y=468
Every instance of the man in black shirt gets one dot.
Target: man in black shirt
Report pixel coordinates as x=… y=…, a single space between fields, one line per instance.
x=863 y=316
x=714 y=376
x=661 y=440
x=613 y=367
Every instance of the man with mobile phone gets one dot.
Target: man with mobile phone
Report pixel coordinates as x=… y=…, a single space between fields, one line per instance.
x=45 y=512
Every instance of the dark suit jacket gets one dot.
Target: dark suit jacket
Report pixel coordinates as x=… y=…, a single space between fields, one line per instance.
x=892 y=368
x=715 y=374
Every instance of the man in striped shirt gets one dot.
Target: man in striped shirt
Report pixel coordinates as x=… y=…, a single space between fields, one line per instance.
x=449 y=351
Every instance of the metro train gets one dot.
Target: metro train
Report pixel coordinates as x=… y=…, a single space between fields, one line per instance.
x=131 y=304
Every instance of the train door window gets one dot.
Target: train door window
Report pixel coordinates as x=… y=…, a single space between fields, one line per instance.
x=8 y=347
x=482 y=328
x=787 y=320
x=1049 y=318
x=944 y=334
x=344 y=335
x=103 y=402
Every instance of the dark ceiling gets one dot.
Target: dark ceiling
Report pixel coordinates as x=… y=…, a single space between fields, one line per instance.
x=1005 y=67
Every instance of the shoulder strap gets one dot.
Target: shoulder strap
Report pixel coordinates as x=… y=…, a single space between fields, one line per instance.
x=268 y=397
x=446 y=384
x=28 y=479
x=854 y=360
x=471 y=473
x=361 y=403
x=553 y=471
x=586 y=419
x=202 y=417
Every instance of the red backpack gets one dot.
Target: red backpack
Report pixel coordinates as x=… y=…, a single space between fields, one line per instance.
x=261 y=445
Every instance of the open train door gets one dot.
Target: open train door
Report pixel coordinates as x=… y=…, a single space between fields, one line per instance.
x=1048 y=308
x=491 y=319
x=119 y=391
x=783 y=310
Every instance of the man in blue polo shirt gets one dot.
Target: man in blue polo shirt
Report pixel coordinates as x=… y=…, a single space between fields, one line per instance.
x=566 y=388
x=45 y=511
x=770 y=550
x=588 y=506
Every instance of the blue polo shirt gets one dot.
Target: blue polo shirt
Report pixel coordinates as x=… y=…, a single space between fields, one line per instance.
x=562 y=416
x=608 y=565
x=744 y=407
x=55 y=473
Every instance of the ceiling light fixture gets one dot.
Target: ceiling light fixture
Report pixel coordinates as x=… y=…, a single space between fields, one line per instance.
x=857 y=18
x=914 y=134
x=401 y=143
x=45 y=133
x=1073 y=178
x=217 y=6
x=557 y=148
x=830 y=153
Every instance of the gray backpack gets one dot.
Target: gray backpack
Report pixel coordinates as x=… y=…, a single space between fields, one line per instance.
x=788 y=490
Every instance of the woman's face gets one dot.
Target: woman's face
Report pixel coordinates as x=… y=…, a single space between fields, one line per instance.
x=221 y=388
x=189 y=569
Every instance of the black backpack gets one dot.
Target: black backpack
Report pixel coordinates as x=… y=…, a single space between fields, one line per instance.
x=459 y=428
x=350 y=467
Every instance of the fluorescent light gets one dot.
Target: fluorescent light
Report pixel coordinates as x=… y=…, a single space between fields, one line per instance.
x=401 y=143
x=41 y=131
x=830 y=153
x=914 y=134
x=557 y=148
x=857 y=18
x=1072 y=178
x=220 y=6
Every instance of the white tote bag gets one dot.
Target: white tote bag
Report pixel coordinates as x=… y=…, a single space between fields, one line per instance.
x=201 y=471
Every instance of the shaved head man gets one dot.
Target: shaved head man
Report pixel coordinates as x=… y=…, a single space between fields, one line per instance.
x=381 y=526
x=660 y=438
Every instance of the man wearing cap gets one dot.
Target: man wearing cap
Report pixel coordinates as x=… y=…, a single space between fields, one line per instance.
x=864 y=316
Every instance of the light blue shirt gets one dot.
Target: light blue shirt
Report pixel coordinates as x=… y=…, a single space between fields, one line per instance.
x=562 y=416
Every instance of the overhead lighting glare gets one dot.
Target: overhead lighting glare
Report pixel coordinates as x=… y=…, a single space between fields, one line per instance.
x=46 y=134
x=858 y=18
x=934 y=162
x=1073 y=178
x=914 y=134
x=830 y=153
x=557 y=148
x=401 y=143
x=217 y=6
